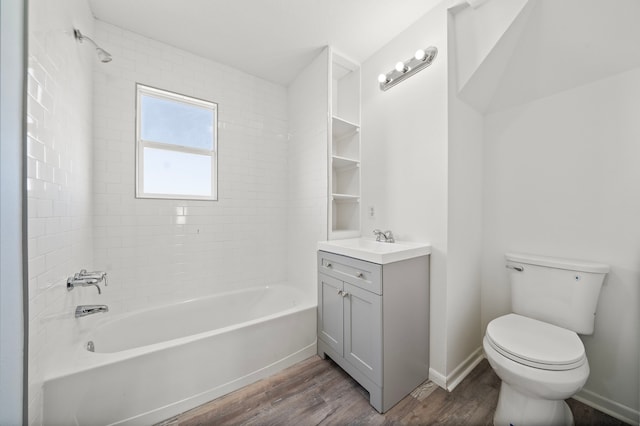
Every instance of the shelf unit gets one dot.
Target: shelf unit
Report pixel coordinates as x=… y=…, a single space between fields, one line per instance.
x=344 y=147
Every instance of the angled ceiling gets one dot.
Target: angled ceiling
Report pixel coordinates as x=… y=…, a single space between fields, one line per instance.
x=552 y=46
x=271 y=39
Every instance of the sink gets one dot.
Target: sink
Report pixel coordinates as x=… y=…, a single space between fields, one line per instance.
x=375 y=251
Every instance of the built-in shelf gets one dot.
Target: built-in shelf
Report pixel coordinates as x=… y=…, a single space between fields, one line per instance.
x=345 y=197
x=342 y=128
x=344 y=148
x=344 y=162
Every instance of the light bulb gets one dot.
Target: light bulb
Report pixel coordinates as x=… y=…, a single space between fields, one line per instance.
x=420 y=55
x=401 y=67
x=382 y=78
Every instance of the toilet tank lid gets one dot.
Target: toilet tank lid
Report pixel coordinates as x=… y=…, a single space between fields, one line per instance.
x=554 y=262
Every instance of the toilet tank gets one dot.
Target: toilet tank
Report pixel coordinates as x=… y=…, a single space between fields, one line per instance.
x=558 y=291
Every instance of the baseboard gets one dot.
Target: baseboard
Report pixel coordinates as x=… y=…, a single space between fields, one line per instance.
x=587 y=397
x=458 y=374
x=437 y=378
x=607 y=406
x=463 y=370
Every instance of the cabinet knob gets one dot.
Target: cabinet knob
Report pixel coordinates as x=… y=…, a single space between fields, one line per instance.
x=344 y=294
x=360 y=275
x=329 y=265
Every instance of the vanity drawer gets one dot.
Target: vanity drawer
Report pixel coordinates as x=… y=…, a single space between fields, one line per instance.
x=365 y=275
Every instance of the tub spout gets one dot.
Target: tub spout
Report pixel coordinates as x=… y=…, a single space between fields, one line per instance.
x=84 y=310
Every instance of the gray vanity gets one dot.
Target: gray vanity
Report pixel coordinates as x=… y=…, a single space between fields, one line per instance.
x=373 y=314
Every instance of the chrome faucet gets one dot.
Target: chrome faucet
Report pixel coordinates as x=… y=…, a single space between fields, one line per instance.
x=84 y=279
x=84 y=310
x=98 y=275
x=386 y=236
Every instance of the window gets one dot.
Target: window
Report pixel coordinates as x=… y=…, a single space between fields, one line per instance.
x=176 y=146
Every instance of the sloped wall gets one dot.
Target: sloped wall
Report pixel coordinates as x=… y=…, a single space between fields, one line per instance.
x=558 y=91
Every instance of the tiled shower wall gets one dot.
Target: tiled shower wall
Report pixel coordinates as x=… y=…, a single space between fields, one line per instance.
x=161 y=250
x=59 y=158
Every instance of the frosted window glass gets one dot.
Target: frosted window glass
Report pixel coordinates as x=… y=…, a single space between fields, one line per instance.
x=176 y=123
x=176 y=173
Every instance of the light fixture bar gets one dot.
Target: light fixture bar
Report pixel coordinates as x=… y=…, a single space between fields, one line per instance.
x=404 y=70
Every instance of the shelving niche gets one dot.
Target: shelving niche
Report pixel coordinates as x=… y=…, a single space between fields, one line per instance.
x=344 y=143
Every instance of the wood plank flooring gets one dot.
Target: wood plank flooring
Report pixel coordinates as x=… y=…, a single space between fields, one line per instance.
x=318 y=392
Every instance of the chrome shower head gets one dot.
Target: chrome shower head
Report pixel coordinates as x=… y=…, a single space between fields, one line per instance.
x=103 y=55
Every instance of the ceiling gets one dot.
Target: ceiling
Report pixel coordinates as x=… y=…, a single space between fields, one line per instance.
x=271 y=39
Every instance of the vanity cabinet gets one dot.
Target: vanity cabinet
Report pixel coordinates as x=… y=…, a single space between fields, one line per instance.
x=373 y=322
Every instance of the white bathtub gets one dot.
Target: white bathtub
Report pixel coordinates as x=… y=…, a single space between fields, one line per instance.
x=153 y=364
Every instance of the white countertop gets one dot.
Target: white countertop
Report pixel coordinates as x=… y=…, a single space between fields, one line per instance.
x=375 y=251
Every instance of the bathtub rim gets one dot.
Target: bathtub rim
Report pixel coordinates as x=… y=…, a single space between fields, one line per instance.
x=78 y=359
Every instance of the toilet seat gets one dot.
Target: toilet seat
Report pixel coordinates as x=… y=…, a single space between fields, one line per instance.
x=535 y=343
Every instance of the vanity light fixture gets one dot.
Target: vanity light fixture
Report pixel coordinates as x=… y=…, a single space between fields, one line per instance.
x=403 y=70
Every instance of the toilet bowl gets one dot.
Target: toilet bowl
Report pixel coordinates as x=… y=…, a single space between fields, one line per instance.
x=540 y=366
x=536 y=350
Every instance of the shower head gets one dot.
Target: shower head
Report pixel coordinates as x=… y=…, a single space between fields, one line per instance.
x=103 y=55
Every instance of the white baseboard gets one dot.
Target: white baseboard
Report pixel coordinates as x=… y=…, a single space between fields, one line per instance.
x=437 y=378
x=461 y=371
x=607 y=406
x=587 y=397
x=458 y=374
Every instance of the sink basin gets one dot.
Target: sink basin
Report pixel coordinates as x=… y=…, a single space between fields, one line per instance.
x=375 y=251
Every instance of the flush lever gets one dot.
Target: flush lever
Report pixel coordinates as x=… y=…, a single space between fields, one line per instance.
x=516 y=267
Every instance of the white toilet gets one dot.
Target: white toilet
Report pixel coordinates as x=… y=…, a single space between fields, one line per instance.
x=535 y=350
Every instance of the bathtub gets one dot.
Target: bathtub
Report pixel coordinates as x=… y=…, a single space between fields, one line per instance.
x=152 y=364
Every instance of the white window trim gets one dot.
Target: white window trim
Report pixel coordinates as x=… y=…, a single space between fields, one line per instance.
x=141 y=144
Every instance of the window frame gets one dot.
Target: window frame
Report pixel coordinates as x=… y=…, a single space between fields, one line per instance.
x=141 y=144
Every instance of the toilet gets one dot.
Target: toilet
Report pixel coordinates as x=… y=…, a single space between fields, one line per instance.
x=535 y=350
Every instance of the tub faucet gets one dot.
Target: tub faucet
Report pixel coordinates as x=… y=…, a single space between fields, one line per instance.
x=84 y=279
x=73 y=282
x=84 y=310
x=98 y=275
x=386 y=236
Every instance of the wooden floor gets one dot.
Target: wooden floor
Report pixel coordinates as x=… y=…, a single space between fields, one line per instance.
x=318 y=392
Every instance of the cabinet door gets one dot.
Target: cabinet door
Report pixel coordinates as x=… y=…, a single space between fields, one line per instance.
x=363 y=331
x=330 y=312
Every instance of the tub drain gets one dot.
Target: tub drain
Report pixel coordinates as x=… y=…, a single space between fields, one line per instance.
x=90 y=346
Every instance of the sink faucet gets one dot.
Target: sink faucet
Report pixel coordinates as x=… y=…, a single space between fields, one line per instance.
x=84 y=310
x=386 y=236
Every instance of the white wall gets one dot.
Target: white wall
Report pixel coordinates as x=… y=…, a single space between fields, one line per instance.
x=422 y=171
x=161 y=250
x=562 y=179
x=307 y=172
x=405 y=156
x=12 y=366
x=464 y=228
x=58 y=178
